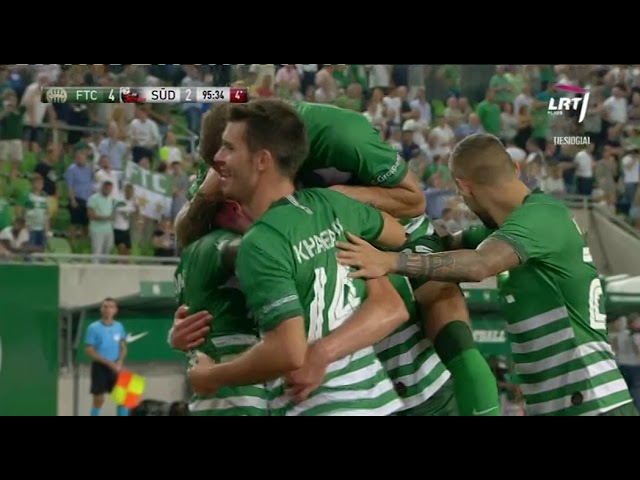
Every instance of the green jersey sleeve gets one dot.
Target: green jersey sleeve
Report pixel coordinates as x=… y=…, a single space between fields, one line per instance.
x=359 y=218
x=530 y=231
x=474 y=236
x=265 y=270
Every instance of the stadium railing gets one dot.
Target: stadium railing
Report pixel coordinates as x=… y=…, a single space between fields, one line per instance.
x=106 y=259
x=183 y=134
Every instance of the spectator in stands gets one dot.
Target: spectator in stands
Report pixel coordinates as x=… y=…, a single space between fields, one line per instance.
x=288 y=82
x=35 y=112
x=634 y=211
x=106 y=174
x=509 y=123
x=15 y=238
x=326 y=85
x=489 y=112
x=192 y=111
x=181 y=185
x=471 y=125
x=630 y=164
x=409 y=149
x=437 y=195
x=36 y=214
x=11 y=129
x=606 y=172
x=584 y=163
x=553 y=184
x=114 y=148
x=79 y=180
x=171 y=152
x=126 y=210
x=453 y=114
x=352 y=99
x=164 y=242
x=101 y=209
x=46 y=168
x=144 y=135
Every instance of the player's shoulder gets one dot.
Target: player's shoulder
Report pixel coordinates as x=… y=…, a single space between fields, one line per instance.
x=539 y=206
x=95 y=325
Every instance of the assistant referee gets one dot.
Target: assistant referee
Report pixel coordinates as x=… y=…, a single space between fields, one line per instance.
x=106 y=345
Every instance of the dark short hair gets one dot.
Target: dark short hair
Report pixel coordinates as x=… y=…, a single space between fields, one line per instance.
x=274 y=125
x=109 y=299
x=211 y=129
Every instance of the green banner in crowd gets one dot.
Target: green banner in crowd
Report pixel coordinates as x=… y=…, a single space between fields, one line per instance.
x=146 y=340
x=490 y=336
x=153 y=190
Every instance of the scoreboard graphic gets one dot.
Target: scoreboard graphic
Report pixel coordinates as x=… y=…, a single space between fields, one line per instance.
x=138 y=95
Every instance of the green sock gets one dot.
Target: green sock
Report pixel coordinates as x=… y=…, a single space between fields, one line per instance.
x=475 y=386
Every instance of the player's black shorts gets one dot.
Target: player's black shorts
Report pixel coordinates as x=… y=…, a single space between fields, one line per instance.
x=103 y=379
x=79 y=214
x=122 y=237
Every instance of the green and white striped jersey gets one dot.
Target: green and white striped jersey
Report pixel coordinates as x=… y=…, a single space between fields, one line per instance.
x=203 y=282
x=554 y=307
x=287 y=268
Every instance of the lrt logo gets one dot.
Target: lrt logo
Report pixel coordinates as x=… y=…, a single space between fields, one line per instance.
x=567 y=104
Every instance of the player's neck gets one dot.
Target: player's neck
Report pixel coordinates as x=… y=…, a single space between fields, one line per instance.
x=266 y=194
x=107 y=321
x=506 y=200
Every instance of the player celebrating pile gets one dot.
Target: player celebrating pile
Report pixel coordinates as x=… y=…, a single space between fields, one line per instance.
x=287 y=268
x=409 y=358
x=552 y=299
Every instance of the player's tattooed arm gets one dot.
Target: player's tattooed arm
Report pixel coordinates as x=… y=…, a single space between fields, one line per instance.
x=492 y=256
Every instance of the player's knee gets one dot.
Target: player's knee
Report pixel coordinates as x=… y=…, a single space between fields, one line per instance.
x=98 y=401
x=446 y=304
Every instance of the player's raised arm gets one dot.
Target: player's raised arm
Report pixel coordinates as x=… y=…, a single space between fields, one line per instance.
x=403 y=200
x=381 y=313
x=277 y=310
x=493 y=256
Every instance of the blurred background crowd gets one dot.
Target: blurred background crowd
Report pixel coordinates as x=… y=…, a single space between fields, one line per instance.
x=75 y=178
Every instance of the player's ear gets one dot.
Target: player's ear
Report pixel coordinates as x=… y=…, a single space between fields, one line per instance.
x=516 y=167
x=264 y=160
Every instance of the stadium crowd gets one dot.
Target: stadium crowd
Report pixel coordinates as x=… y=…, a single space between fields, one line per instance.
x=64 y=186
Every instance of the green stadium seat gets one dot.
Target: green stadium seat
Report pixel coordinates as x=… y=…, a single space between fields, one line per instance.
x=59 y=245
x=29 y=162
x=20 y=187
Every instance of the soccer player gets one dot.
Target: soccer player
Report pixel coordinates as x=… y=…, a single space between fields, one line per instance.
x=357 y=144
x=552 y=299
x=288 y=270
x=106 y=345
x=212 y=287
x=347 y=155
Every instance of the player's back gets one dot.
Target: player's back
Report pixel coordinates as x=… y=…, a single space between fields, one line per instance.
x=307 y=226
x=554 y=306
x=345 y=148
x=205 y=282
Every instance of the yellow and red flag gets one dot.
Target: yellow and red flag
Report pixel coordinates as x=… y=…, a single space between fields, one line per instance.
x=128 y=390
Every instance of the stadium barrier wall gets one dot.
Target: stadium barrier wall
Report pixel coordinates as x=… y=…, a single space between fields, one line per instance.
x=29 y=340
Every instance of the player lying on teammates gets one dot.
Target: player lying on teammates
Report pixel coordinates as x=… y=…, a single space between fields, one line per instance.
x=205 y=280
x=552 y=299
x=344 y=141
x=287 y=268
x=409 y=359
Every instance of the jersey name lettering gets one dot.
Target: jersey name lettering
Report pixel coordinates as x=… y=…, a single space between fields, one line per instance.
x=316 y=244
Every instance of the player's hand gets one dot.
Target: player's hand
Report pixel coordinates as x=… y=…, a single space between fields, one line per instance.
x=371 y=262
x=200 y=375
x=189 y=331
x=119 y=365
x=114 y=366
x=304 y=381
